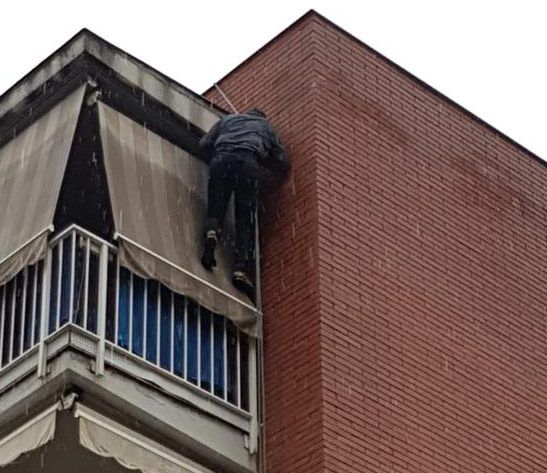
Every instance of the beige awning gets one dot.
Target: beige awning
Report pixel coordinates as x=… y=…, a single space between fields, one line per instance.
x=130 y=449
x=158 y=200
x=97 y=434
x=32 y=166
x=30 y=436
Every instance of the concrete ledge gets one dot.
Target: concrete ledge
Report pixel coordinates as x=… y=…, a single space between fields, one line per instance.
x=139 y=406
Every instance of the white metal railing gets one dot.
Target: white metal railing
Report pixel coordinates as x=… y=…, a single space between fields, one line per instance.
x=20 y=308
x=176 y=334
x=86 y=286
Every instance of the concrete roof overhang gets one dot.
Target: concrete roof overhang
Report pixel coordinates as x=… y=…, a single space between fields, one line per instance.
x=124 y=82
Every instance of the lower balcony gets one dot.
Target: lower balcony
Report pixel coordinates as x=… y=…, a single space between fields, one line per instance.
x=127 y=340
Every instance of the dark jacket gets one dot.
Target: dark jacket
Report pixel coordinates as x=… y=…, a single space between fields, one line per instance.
x=249 y=132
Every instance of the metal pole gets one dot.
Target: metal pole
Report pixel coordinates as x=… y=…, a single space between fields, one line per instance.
x=253 y=398
x=260 y=352
x=225 y=98
x=101 y=310
x=44 y=313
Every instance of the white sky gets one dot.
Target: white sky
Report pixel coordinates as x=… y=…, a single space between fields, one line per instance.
x=489 y=56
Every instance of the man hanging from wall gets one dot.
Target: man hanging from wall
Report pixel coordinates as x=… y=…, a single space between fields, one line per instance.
x=242 y=149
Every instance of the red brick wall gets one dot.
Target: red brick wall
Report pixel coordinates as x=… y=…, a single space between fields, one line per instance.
x=278 y=82
x=404 y=275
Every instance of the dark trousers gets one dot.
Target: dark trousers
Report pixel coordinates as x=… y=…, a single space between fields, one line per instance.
x=234 y=172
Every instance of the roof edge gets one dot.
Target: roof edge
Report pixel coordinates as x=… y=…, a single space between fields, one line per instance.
x=181 y=100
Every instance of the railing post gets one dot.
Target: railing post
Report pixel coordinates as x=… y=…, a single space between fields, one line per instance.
x=101 y=316
x=44 y=314
x=253 y=395
x=256 y=365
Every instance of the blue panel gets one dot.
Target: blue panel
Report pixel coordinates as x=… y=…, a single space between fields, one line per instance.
x=37 y=317
x=205 y=349
x=232 y=362
x=93 y=293
x=244 y=346
x=165 y=332
x=219 y=355
x=79 y=280
x=178 y=362
x=15 y=352
x=111 y=301
x=65 y=281
x=138 y=315
x=192 y=353
x=54 y=286
x=28 y=309
x=152 y=322
x=123 y=309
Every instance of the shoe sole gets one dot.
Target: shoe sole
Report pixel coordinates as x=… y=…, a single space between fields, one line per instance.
x=242 y=282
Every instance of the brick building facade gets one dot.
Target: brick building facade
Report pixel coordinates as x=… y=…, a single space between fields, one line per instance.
x=404 y=277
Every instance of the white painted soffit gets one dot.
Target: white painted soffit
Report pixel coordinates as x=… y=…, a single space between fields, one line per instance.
x=186 y=104
x=107 y=438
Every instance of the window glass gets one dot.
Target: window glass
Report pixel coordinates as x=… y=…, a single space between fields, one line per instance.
x=232 y=362
x=152 y=321
x=192 y=369
x=54 y=286
x=178 y=362
x=244 y=348
x=138 y=315
x=29 y=299
x=111 y=300
x=93 y=296
x=205 y=362
x=79 y=289
x=219 y=355
x=65 y=281
x=165 y=328
x=123 y=316
x=37 y=315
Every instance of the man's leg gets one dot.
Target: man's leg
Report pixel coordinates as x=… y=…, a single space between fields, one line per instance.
x=246 y=194
x=219 y=189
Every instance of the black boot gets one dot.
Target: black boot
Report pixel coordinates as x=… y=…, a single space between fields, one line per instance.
x=208 y=259
x=242 y=281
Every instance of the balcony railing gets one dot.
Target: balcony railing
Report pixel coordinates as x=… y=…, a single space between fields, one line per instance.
x=20 y=309
x=140 y=319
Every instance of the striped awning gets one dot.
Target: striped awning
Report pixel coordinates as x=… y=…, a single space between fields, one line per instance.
x=30 y=436
x=158 y=200
x=32 y=166
x=56 y=441
x=133 y=451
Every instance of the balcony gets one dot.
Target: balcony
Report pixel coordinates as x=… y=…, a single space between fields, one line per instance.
x=137 y=331
x=80 y=298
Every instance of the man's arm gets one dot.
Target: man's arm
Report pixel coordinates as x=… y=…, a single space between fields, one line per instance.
x=279 y=161
x=207 y=142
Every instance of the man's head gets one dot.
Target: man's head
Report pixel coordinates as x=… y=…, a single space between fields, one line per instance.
x=256 y=111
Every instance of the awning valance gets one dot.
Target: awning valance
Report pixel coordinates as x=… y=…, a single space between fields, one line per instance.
x=133 y=451
x=30 y=436
x=158 y=200
x=98 y=434
x=32 y=166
